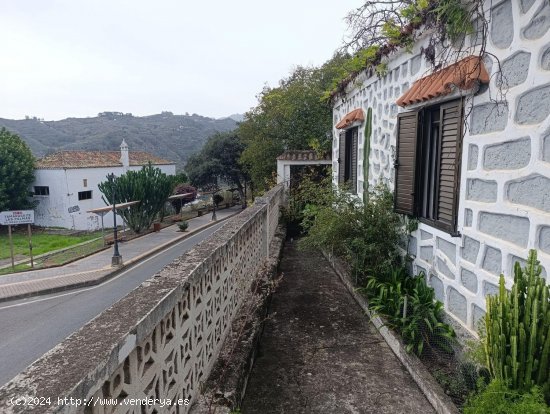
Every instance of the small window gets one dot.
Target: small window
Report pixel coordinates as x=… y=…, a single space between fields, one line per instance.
x=347 y=169
x=84 y=195
x=428 y=164
x=41 y=190
x=85 y=182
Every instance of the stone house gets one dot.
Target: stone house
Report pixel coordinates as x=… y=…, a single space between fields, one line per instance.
x=66 y=184
x=476 y=173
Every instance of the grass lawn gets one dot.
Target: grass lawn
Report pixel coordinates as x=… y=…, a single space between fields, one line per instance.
x=41 y=242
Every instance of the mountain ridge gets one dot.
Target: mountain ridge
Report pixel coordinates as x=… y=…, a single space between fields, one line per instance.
x=169 y=136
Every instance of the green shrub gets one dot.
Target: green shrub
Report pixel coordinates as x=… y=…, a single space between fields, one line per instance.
x=367 y=235
x=183 y=225
x=498 y=398
x=517 y=329
x=421 y=323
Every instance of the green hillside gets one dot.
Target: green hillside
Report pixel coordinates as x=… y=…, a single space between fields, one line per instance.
x=174 y=137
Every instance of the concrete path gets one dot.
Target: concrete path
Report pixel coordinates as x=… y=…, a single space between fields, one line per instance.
x=97 y=267
x=320 y=354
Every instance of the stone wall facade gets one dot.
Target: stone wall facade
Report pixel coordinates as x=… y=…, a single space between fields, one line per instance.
x=161 y=340
x=504 y=201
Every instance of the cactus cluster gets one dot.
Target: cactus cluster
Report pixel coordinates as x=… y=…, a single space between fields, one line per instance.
x=517 y=323
x=366 y=153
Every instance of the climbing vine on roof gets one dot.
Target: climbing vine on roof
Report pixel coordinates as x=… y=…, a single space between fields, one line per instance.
x=378 y=28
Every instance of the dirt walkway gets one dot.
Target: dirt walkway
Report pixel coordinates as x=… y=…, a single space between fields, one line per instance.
x=319 y=353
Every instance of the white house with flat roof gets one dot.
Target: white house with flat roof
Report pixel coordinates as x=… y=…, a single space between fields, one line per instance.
x=66 y=184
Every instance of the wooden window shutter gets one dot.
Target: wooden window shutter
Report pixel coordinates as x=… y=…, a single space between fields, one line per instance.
x=354 y=150
x=342 y=159
x=405 y=164
x=449 y=164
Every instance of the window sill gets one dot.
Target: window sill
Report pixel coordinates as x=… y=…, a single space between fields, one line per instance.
x=440 y=226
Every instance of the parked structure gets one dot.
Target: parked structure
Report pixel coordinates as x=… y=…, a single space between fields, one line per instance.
x=475 y=173
x=66 y=184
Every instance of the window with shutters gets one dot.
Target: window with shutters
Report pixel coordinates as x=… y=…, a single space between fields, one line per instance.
x=347 y=161
x=41 y=190
x=427 y=165
x=84 y=195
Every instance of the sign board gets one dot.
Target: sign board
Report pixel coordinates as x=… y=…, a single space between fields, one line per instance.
x=74 y=209
x=12 y=218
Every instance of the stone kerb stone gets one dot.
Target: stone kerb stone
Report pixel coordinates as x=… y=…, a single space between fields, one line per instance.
x=161 y=338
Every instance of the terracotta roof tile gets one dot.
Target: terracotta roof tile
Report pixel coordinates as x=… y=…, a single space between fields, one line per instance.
x=302 y=155
x=95 y=159
x=350 y=118
x=462 y=74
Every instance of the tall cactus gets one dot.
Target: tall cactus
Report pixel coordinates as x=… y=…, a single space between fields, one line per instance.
x=517 y=325
x=149 y=185
x=366 y=153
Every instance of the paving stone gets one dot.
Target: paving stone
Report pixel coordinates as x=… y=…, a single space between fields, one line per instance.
x=448 y=248
x=444 y=269
x=533 y=106
x=531 y=191
x=546 y=148
x=420 y=270
x=473 y=152
x=415 y=64
x=481 y=190
x=492 y=261
x=545 y=58
x=539 y=24
x=426 y=253
x=502 y=25
x=413 y=250
x=457 y=304
x=506 y=227
x=526 y=5
x=470 y=249
x=468 y=217
x=509 y=155
x=489 y=117
x=437 y=285
x=469 y=280
x=424 y=235
x=478 y=315
x=514 y=70
x=489 y=288
x=544 y=239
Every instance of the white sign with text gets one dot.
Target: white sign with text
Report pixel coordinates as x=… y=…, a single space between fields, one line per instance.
x=12 y=218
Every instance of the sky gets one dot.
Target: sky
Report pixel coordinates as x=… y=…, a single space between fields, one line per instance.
x=76 y=58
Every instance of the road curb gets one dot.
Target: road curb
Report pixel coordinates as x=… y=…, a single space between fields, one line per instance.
x=110 y=274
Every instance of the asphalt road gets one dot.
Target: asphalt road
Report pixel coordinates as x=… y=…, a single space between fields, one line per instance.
x=31 y=327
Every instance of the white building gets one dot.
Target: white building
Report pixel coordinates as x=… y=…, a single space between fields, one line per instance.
x=66 y=184
x=476 y=175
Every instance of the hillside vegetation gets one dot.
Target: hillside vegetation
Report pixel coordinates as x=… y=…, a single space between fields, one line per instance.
x=174 y=137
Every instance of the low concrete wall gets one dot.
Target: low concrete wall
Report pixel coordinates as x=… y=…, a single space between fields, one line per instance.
x=152 y=350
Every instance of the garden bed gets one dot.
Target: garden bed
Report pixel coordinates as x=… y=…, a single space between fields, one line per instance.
x=442 y=403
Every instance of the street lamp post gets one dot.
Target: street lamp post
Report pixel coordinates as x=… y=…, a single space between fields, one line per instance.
x=117 y=258
x=214 y=218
